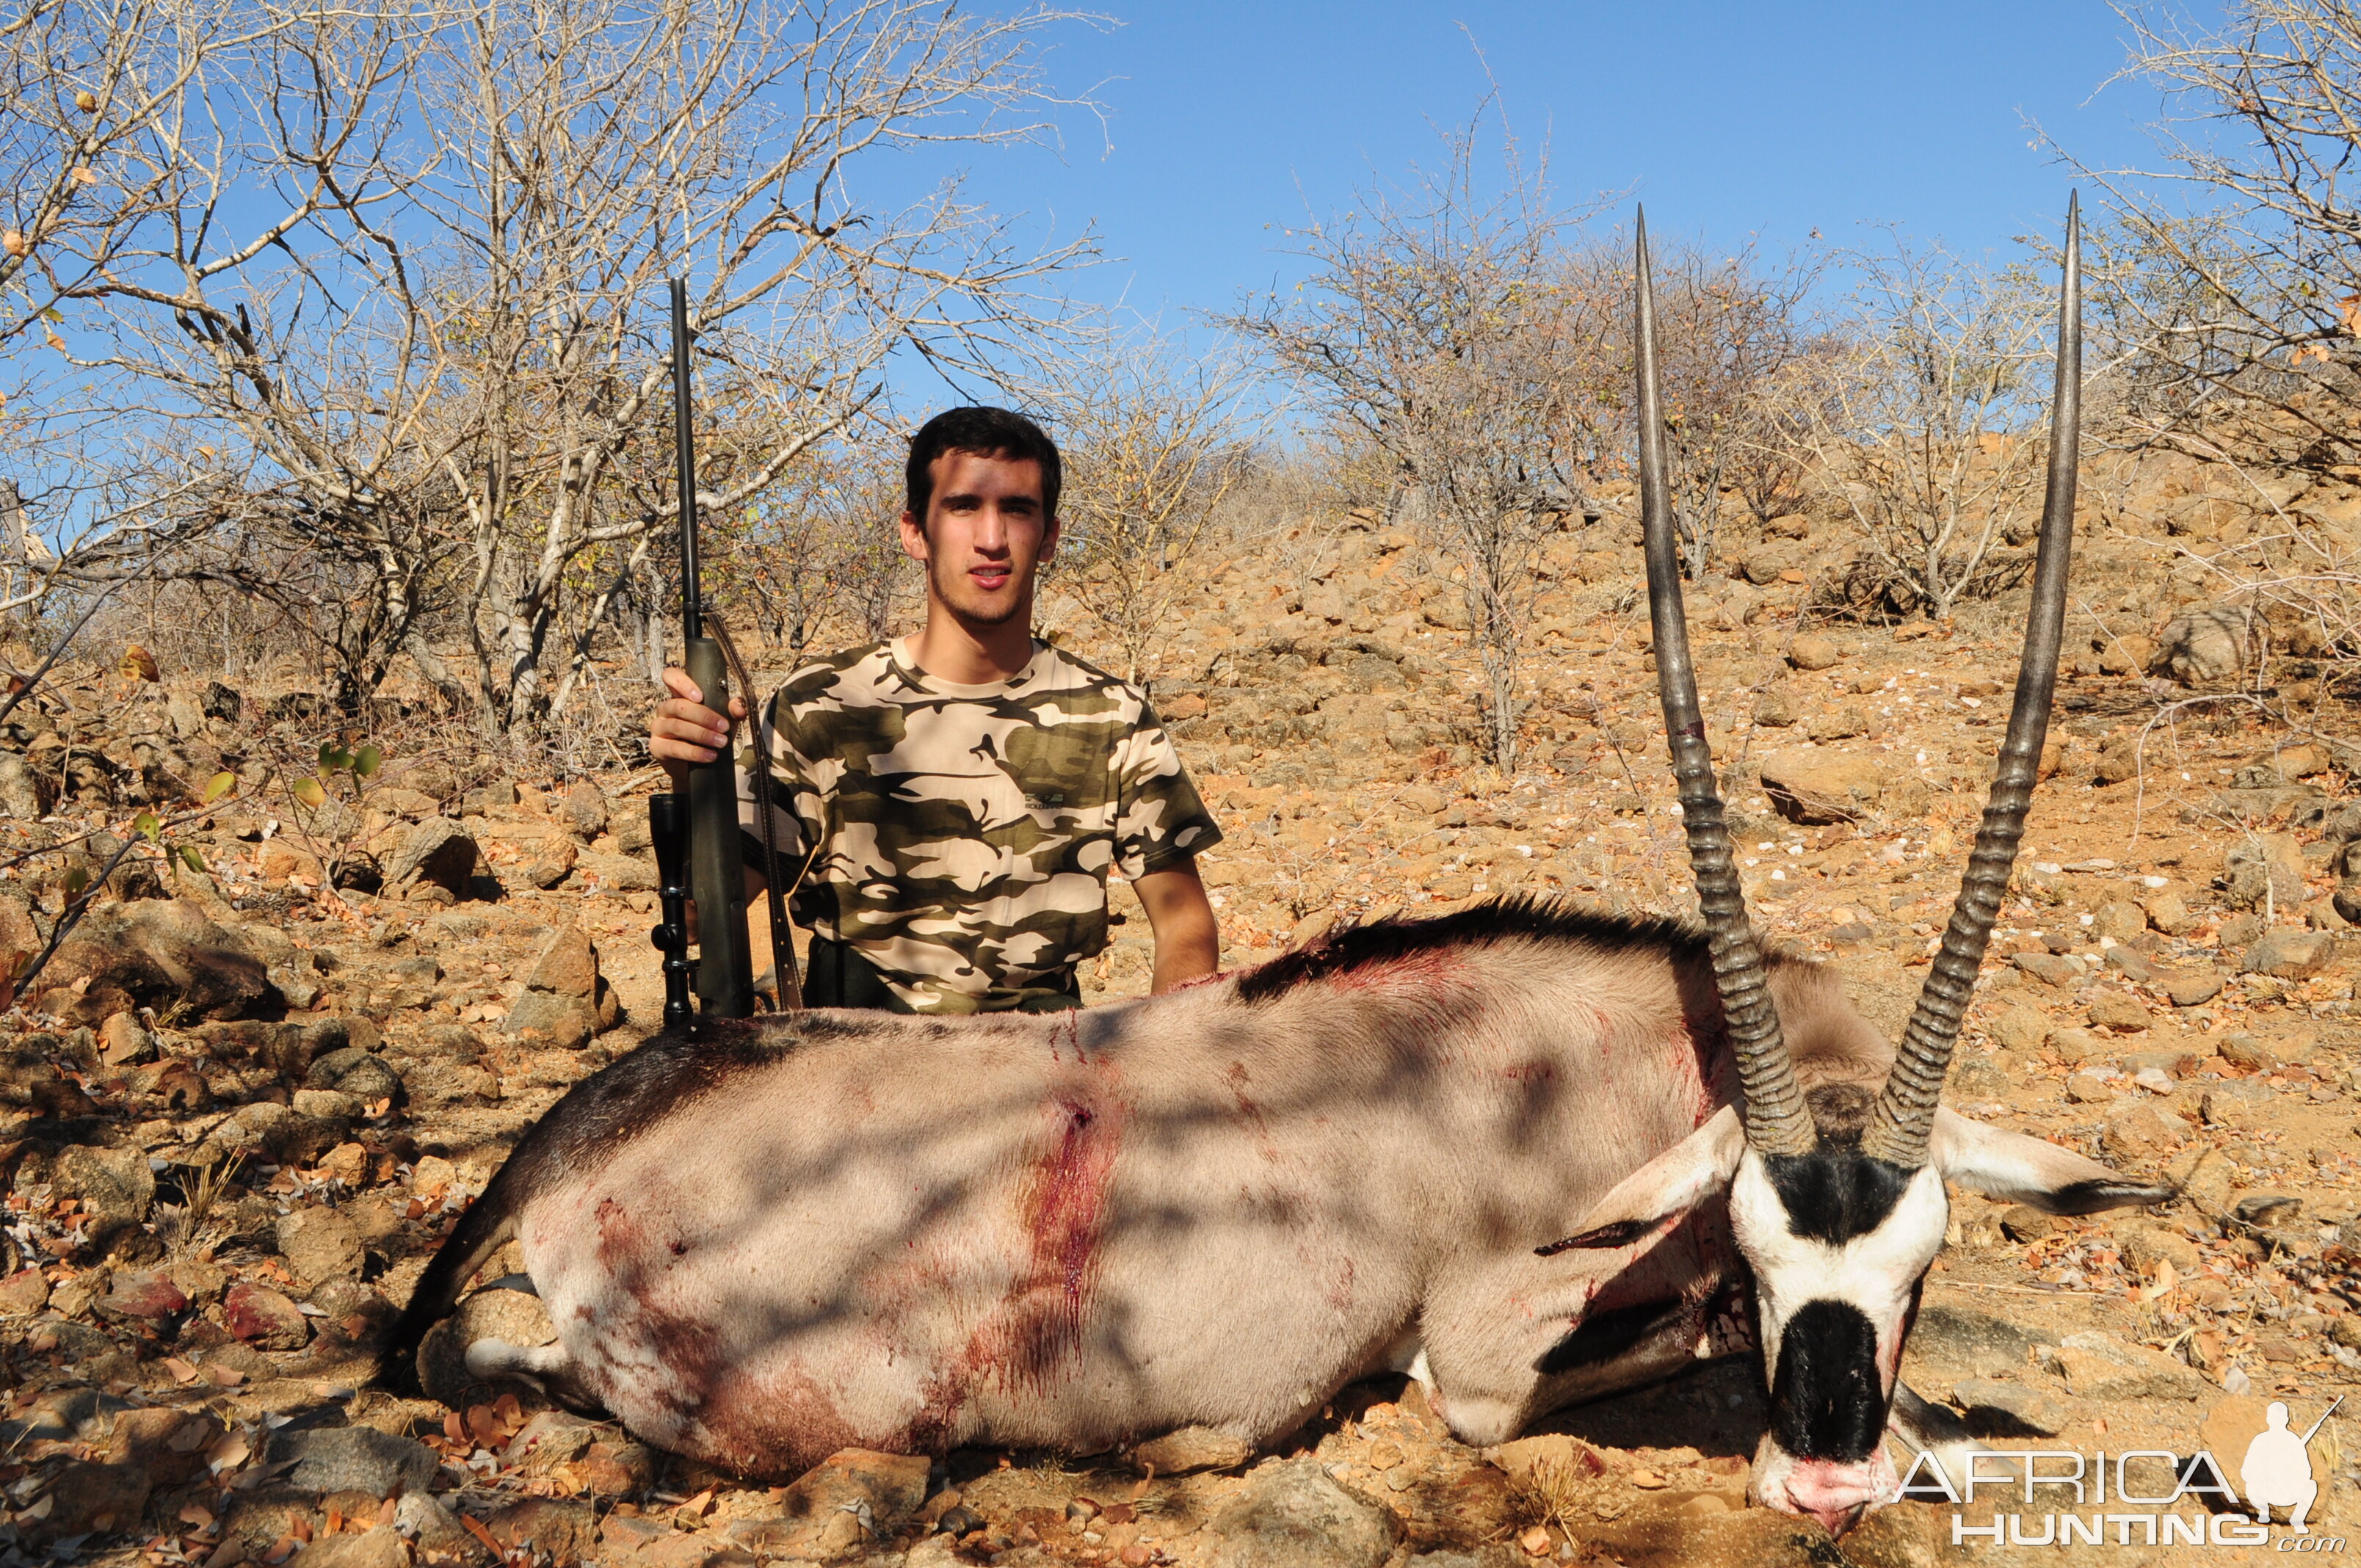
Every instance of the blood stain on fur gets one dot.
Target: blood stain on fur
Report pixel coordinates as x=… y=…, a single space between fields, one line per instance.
x=1069 y=1205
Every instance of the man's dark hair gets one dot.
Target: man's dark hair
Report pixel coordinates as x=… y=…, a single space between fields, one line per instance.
x=987 y=432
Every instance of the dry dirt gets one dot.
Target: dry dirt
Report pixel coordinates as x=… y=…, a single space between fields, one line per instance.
x=214 y=1217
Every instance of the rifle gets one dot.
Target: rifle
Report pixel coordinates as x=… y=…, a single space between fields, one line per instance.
x=696 y=834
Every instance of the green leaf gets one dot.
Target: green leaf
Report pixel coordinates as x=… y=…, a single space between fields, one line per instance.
x=310 y=792
x=76 y=880
x=191 y=859
x=219 y=785
x=332 y=756
x=54 y=316
x=367 y=760
x=147 y=828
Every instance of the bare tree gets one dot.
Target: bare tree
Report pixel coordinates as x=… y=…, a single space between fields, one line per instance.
x=2231 y=278
x=87 y=84
x=1731 y=332
x=781 y=561
x=1438 y=321
x=820 y=550
x=2227 y=298
x=1154 y=439
x=860 y=506
x=1928 y=435
x=418 y=293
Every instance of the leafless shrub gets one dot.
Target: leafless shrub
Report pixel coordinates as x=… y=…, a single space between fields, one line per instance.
x=876 y=585
x=2292 y=592
x=1926 y=434
x=197 y=633
x=2228 y=297
x=1154 y=438
x=189 y=1226
x=1556 y=1494
x=1279 y=488
x=821 y=556
x=1434 y=324
x=2231 y=278
x=1734 y=340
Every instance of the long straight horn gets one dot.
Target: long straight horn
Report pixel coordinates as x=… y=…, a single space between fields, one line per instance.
x=1904 y=1117
x=1776 y=1122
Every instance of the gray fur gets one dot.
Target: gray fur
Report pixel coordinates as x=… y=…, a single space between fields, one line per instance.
x=1081 y=1230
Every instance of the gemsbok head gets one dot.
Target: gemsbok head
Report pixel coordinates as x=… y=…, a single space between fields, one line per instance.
x=1837 y=1197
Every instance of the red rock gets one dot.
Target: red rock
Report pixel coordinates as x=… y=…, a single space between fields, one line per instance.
x=162 y=953
x=2143 y=1130
x=1812 y=652
x=169 y=1446
x=1814 y=787
x=1191 y=1450
x=2292 y=955
x=604 y=1475
x=123 y=1043
x=380 y=1548
x=640 y=1543
x=136 y=1293
x=320 y=1244
x=545 y=1018
x=264 y=1318
x=585 y=808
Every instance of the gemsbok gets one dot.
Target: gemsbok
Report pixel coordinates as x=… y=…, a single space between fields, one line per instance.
x=1217 y=1206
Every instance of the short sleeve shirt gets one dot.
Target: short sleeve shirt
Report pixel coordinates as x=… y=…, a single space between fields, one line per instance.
x=965 y=832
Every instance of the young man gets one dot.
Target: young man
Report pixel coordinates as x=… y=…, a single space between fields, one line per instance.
x=968 y=786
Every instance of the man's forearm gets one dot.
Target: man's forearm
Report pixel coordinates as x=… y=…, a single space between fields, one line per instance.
x=1188 y=936
x=1181 y=959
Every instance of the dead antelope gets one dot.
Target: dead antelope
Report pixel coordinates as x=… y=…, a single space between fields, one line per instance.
x=1218 y=1206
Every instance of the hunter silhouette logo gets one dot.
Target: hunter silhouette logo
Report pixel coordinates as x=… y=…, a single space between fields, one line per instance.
x=2137 y=1496
x=2276 y=1471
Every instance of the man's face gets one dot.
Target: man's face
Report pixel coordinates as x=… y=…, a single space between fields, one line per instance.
x=983 y=535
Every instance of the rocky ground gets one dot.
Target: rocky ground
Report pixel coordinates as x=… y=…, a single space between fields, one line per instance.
x=241 y=1106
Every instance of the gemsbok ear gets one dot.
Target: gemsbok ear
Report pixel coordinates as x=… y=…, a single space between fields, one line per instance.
x=1664 y=1188
x=2019 y=1170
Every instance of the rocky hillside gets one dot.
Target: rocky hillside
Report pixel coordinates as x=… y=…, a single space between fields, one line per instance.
x=254 y=1086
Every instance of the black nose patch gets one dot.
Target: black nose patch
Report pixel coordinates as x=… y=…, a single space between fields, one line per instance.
x=1826 y=1400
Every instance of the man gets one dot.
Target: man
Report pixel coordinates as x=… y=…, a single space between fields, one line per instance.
x=968 y=787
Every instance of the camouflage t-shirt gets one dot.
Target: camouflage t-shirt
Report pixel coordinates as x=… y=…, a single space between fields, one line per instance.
x=966 y=831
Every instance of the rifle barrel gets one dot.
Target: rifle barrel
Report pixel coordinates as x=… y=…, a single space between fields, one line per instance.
x=684 y=443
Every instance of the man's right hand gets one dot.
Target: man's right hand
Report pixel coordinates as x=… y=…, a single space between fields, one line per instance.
x=685 y=730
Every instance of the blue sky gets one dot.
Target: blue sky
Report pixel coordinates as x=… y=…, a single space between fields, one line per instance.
x=1227 y=121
